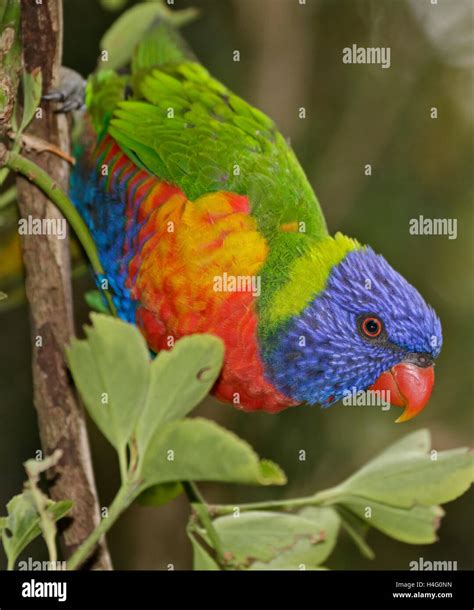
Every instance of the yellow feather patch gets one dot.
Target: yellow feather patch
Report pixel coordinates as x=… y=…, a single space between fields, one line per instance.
x=308 y=276
x=207 y=238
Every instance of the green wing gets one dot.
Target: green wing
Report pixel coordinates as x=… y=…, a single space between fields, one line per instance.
x=188 y=129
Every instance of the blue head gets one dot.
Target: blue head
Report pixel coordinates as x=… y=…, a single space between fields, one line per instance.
x=368 y=321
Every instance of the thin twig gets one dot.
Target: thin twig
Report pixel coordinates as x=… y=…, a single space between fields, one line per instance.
x=39 y=145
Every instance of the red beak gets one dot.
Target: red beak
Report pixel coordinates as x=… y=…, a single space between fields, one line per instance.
x=408 y=386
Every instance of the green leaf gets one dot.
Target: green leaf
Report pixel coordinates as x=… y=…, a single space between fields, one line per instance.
x=179 y=380
x=111 y=370
x=271 y=473
x=200 y=450
x=83 y=367
x=32 y=87
x=414 y=525
x=128 y=395
x=266 y=540
x=160 y=494
x=22 y=525
x=96 y=302
x=403 y=487
x=129 y=29
x=408 y=478
x=416 y=443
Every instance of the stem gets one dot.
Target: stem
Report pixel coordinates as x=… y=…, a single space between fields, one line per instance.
x=50 y=540
x=47 y=523
x=40 y=178
x=11 y=564
x=201 y=507
x=8 y=197
x=125 y=496
x=321 y=498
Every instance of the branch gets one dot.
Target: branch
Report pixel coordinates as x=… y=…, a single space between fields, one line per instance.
x=321 y=498
x=125 y=496
x=48 y=288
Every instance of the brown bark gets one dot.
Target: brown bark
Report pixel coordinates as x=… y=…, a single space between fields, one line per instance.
x=48 y=288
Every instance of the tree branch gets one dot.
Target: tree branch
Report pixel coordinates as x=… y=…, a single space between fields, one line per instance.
x=48 y=288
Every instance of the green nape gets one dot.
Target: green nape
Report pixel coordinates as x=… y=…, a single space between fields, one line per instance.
x=306 y=276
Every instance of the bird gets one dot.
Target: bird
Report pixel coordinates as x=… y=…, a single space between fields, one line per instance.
x=205 y=222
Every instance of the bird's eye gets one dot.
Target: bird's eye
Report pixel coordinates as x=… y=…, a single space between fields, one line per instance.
x=371 y=327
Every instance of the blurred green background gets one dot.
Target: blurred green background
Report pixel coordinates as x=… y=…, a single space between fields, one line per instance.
x=291 y=57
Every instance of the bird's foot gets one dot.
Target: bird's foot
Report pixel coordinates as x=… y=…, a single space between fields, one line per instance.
x=70 y=93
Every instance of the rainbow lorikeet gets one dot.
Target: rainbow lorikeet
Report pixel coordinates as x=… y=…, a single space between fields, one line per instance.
x=206 y=223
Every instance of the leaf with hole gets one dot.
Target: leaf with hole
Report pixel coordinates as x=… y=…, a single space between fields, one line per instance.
x=415 y=525
x=262 y=540
x=179 y=380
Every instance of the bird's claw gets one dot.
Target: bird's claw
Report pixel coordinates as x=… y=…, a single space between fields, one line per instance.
x=70 y=93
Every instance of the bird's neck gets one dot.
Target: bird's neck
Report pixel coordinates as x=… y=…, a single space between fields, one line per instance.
x=305 y=278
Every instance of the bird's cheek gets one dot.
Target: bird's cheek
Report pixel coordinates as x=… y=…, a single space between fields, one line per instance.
x=406 y=385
